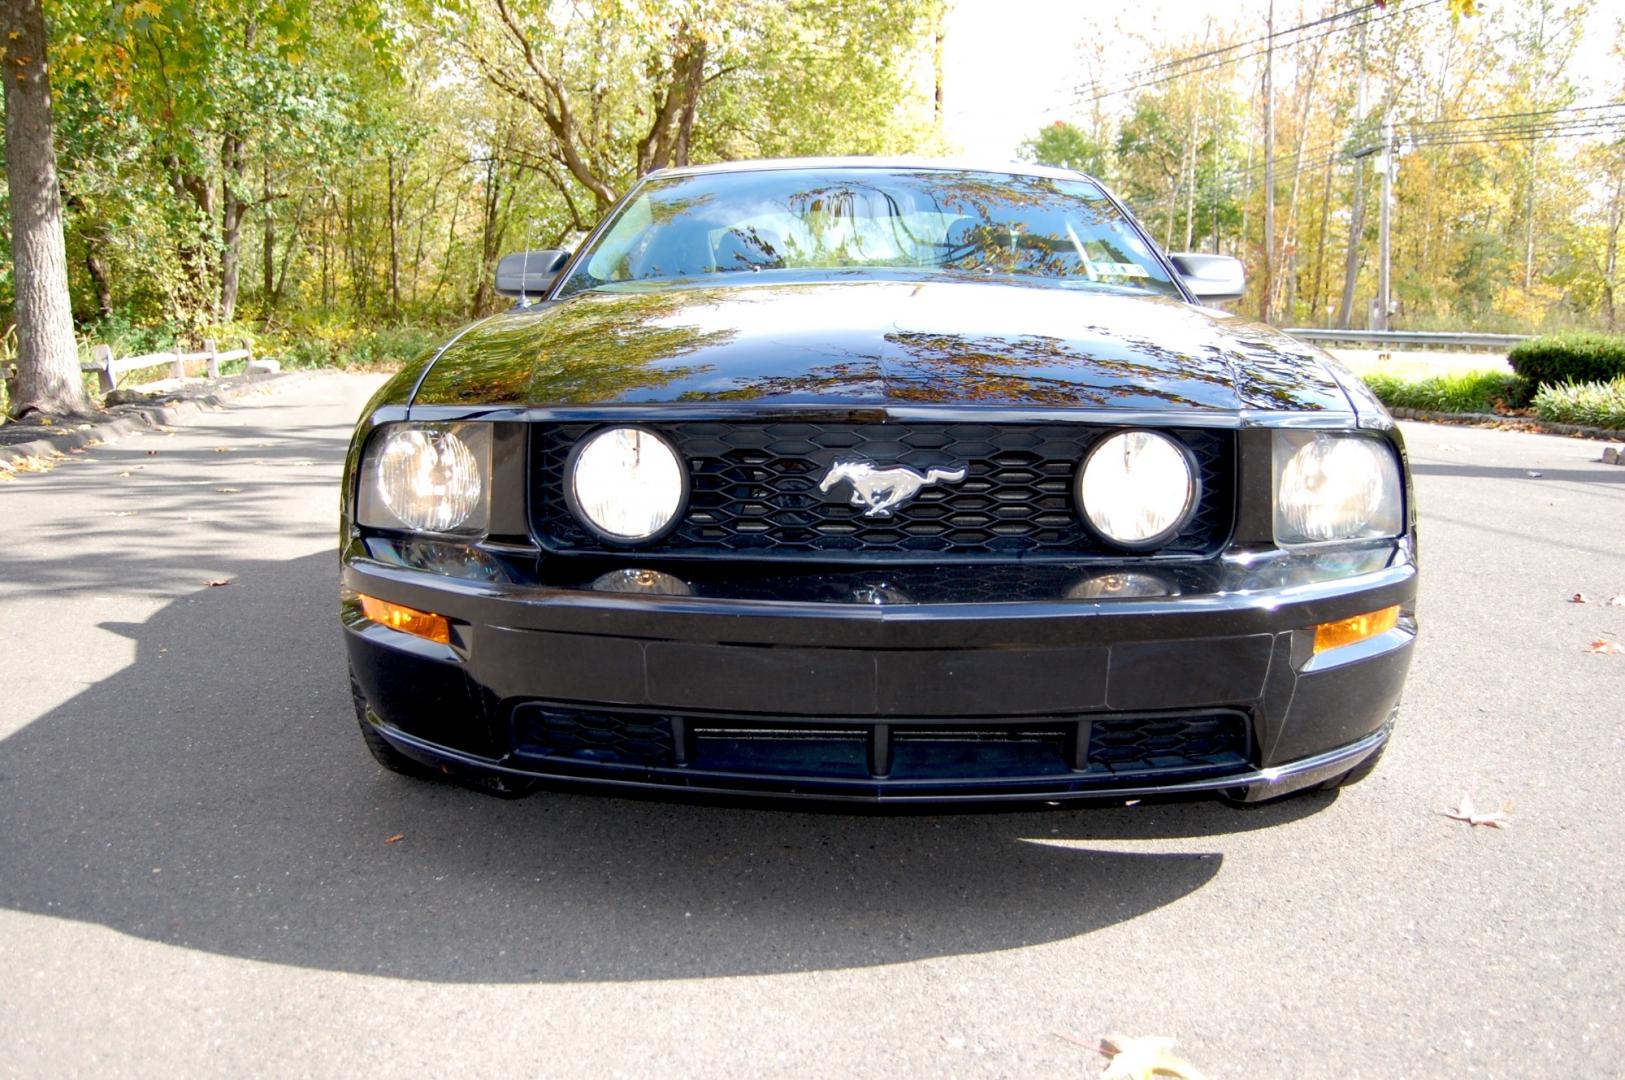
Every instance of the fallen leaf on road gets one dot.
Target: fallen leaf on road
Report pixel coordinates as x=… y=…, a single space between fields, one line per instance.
x=1616 y=601
x=1143 y=1058
x=152 y=453
x=1495 y=819
x=228 y=491
x=222 y=449
x=215 y=583
x=397 y=838
x=1579 y=598
x=1533 y=473
x=121 y=513
x=1604 y=647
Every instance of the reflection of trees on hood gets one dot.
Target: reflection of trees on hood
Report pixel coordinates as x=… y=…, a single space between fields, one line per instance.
x=592 y=349
x=1025 y=370
x=860 y=376
x=952 y=367
x=1269 y=374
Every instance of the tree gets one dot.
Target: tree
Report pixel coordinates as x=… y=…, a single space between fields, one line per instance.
x=48 y=379
x=1066 y=147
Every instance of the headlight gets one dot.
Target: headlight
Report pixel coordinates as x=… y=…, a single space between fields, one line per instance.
x=427 y=478
x=627 y=484
x=1137 y=488
x=1335 y=487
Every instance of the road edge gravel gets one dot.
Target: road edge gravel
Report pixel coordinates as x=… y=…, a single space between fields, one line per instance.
x=151 y=416
x=1526 y=423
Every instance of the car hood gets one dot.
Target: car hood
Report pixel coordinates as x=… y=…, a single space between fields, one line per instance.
x=885 y=343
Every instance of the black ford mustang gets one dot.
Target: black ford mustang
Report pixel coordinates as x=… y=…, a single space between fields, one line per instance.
x=877 y=480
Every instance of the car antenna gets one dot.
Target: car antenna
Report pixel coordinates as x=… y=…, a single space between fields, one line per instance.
x=524 y=275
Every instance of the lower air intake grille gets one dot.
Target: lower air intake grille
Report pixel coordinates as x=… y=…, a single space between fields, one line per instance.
x=1113 y=745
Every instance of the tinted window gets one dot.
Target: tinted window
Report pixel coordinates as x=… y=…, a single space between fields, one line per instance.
x=853 y=222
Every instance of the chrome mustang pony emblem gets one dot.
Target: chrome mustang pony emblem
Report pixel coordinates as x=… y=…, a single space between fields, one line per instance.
x=882 y=489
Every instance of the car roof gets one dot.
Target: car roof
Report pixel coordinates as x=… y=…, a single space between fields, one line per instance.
x=1012 y=168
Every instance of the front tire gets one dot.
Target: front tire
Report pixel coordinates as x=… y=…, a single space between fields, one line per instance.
x=1356 y=774
x=383 y=753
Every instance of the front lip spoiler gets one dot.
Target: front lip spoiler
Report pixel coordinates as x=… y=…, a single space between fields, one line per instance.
x=1251 y=786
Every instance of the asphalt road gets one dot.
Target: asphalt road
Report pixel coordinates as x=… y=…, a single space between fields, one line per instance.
x=195 y=878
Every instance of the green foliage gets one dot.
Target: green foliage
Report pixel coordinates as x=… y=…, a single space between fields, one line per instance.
x=350 y=346
x=1472 y=392
x=1065 y=146
x=311 y=169
x=1558 y=359
x=1592 y=404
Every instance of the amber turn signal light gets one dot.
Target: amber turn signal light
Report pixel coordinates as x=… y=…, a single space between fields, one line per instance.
x=1333 y=635
x=407 y=620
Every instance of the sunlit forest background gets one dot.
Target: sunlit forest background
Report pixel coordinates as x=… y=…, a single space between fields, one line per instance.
x=341 y=178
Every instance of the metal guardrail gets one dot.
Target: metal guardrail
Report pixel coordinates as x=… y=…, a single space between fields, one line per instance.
x=1427 y=339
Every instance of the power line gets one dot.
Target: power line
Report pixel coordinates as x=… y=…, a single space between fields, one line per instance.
x=1514 y=115
x=1387 y=13
x=1233 y=180
x=1176 y=61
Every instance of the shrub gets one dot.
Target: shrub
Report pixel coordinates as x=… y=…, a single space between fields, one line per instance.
x=1558 y=359
x=1593 y=404
x=1474 y=391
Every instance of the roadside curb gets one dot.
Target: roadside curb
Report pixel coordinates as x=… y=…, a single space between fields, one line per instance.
x=1546 y=427
x=144 y=418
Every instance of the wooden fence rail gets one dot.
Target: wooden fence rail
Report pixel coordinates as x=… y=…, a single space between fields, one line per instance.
x=109 y=367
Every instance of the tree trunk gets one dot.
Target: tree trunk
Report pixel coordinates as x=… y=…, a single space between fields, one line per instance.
x=231 y=224
x=93 y=234
x=1610 y=266
x=1529 y=223
x=1267 y=293
x=288 y=249
x=1190 y=191
x=48 y=378
x=394 y=238
x=490 y=238
x=96 y=267
x=1320 y=242
x=267 y=242
x=667 y=140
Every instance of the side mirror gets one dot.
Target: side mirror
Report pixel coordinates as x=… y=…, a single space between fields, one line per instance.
x=530 y=273
x=1211 y=277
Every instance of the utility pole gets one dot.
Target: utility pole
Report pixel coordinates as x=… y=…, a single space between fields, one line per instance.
x=1351 y=261
x=1384 y=235
x=1265 y=302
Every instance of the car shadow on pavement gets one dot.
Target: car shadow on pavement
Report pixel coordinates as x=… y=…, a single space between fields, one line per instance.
x=214 y=794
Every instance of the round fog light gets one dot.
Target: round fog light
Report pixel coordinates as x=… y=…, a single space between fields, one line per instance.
x=646 y=582
x=1118 y=587
x=627 y=484
x=1137 y=488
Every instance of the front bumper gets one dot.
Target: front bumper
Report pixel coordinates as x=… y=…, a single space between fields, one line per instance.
x=844 y=686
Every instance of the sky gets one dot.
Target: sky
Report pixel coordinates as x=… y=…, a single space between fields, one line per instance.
x=1010 y=66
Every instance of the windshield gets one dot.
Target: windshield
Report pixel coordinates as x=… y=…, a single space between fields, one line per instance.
x=722 y=228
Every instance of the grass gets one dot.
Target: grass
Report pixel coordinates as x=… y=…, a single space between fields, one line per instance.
x=1468 y=392
x=1597 y=404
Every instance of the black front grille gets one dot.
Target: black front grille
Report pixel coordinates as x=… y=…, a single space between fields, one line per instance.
x=755 y=491
x=1090 y=747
